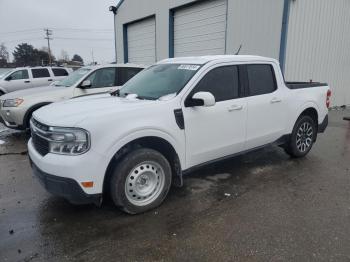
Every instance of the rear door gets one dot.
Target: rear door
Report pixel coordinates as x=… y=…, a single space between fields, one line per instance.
x=102 y=80
x=18 y=80
x=41 y=77
x=267 y=112
x=219 y=130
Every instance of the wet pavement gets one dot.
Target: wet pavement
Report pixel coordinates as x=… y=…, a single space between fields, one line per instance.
x=263 y=206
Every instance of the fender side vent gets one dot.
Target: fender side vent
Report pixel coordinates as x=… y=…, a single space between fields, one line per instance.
x=179 y=118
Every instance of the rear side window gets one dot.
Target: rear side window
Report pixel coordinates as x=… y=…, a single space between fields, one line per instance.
x=222 y=82
x=59 y=72
x=40 y=73
x=124 y=74
x=261 y=79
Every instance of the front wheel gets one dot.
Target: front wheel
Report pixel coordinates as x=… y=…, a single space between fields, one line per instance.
x=141 y=181
x=302 y=138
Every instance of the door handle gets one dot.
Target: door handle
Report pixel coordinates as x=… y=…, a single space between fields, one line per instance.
x=235 y=108
x=27 y=81
x=276 y=100
x=49 y=80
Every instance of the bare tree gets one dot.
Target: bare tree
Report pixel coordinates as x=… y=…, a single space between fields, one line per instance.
x=64 y=55
x=4 y=54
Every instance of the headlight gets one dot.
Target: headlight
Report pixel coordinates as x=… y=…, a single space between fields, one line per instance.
x=68 y=141
x=12 y=102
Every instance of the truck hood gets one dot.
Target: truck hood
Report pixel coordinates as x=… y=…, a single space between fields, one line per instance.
x=32 y=92
x=71 y=112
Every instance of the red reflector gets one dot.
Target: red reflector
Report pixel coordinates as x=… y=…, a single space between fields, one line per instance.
x=328 y=101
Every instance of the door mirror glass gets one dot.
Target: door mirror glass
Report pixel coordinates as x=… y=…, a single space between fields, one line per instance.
x=85 y=84
x=203 y=99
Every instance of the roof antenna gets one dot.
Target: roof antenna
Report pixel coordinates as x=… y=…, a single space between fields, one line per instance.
x=239 y=49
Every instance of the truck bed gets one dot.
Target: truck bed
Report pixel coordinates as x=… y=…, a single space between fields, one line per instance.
x=299 y=85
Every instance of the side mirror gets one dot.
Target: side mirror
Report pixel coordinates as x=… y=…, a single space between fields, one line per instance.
x=85 y=84
x=9 y=78
x=203 y=99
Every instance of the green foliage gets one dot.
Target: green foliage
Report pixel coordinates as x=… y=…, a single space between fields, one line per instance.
x=78 y=58
x=27 y=55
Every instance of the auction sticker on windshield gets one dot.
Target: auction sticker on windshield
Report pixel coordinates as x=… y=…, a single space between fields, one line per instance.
x=188 y=67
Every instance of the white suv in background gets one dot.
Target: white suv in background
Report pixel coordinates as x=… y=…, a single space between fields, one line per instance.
x=27 y=77
x=17 y=107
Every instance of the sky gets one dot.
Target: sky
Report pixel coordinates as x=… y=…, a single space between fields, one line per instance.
x=83 y=27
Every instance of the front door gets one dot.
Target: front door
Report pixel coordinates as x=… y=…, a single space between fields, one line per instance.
x=216 y=131
x=102 y=80
x=17 y=80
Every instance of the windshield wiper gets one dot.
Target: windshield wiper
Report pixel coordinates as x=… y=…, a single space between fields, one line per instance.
x=115 y=93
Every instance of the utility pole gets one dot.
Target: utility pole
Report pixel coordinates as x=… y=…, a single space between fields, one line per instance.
x=48 y=33
x=92 y=56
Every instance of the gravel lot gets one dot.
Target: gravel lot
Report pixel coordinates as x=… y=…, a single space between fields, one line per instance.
x=263 y=206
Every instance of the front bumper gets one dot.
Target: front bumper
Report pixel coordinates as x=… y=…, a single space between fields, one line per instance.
x=65 y=187
x=12 y=117
x=71 y=171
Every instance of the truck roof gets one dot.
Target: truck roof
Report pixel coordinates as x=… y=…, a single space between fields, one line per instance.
x=218 y=58
x=115 y=65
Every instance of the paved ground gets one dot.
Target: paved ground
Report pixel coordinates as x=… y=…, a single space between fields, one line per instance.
x=260 y=207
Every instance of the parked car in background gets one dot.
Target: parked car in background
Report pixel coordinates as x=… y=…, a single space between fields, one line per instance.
x=17 y=107
x=172 y=118
x=29 y=77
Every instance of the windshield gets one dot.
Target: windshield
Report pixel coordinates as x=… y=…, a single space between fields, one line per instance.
x=5 y=71
x=73 y=78
x=159 y=80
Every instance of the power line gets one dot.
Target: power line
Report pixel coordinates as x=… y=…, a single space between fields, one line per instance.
x=84 y=39
x=96 y=30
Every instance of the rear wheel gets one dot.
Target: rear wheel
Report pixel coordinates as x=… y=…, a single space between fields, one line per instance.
x=303 y=137
x=141 y=181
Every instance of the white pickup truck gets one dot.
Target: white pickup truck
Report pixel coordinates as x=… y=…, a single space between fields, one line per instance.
x=178 y=115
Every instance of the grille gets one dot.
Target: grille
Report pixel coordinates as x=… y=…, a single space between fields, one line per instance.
x=40 y=144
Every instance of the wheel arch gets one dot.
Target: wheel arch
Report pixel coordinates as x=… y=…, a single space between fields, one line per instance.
x=310 y=109
x=29 y=112
x=2 y=90
x=153 y=142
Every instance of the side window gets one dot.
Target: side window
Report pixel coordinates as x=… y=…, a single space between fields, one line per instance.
x=126 y=73
x=104 y=77
x=59 y=72
x=40 y=73
x=261 y=79
x=18 y=75
x=222 y=82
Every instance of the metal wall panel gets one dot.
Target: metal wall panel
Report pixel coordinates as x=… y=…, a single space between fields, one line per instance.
x=200 y=29
x=318 y=45
x=141 y=37
x=256 y=25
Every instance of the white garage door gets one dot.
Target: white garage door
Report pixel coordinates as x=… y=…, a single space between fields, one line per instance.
x=200 y=29
x=141 y=37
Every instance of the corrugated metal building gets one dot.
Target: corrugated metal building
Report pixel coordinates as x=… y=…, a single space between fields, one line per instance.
x=311 y=38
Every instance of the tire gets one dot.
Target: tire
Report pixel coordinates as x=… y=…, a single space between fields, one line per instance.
x=302 y=138
x=141 y=181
